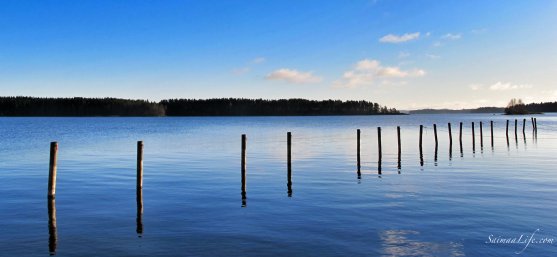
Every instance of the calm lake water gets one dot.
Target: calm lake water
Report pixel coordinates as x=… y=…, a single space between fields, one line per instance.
x=192 y=204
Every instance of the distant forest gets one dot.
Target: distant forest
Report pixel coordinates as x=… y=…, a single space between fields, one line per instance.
x=532 y=108
x=33 y=106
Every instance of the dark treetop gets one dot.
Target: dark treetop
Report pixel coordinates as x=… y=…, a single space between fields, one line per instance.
x=32 y=106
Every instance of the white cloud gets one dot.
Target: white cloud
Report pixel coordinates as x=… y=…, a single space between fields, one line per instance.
x=450 y=36
x=500 y=86
x=258 y=60
x=293 y=76
x=395 y=39
x=366 y=71
x=433 y=56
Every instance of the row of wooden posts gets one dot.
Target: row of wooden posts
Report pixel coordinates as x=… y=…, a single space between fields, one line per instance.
x=54 y=152
x=139 y=176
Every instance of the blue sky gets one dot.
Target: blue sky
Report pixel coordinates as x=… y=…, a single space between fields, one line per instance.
x=404 y=54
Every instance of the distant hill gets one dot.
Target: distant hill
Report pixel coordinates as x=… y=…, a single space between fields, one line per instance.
x=78 y=106
x=477 y=110
x=532 y=108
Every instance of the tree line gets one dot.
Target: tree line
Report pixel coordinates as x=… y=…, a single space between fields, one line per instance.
x=78 y=106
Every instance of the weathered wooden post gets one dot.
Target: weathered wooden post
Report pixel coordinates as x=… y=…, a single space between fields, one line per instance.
x=450 y=135
x=380 y=150
x=491 y=126
x=139 y=164
x=399 y=150
x=524 y=128
x=244 y=139
x=289 y=154
x=421 y=149
x=460 y=134
x=473 y=138
x=379 y=143
x=435 y=133
x=515 y=129
x=533 y=127
x=52 y=227
x=481 y=135
x=358 y=149
x=52 y=169
x=507 y=132
x=536 y=125
x=421 y=133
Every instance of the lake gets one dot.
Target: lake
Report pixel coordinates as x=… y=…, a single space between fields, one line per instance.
x=450 y=204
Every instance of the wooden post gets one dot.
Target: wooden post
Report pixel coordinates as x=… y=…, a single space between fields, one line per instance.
x=379 y=142
x=481 y=135
x=399 y=150
x=533 y=127
x=450 y=135
x=524 y=128
x=244 y=139
x=421 y=133
x=435 y=133
x=507 y=132
x=139 y=164
x=358 y=149
x=421 y=150
x=473 y=137
x=52 y=169
x=515 y=129
x=460 y=134
x=52 y=227
x=289 y=157
x=491 y=126
x=536 y=125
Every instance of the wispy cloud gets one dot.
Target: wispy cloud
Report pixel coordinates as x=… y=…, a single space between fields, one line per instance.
x=403 y=55
x=395 y=39
x=479 y=31
x=293 y=76
x=475 y=87
x=450 y=36
x=500 y=86
x=432 y=56
x=366 y=71
x=258 y=60
x=241 y=71
x=246 y=69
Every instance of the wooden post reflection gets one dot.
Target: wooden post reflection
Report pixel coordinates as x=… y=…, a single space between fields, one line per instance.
x=52 y=231
x=139 y=217
x=244 y=139
x=289 y=160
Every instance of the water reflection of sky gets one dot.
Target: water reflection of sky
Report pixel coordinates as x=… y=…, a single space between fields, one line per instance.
x=407 y=243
